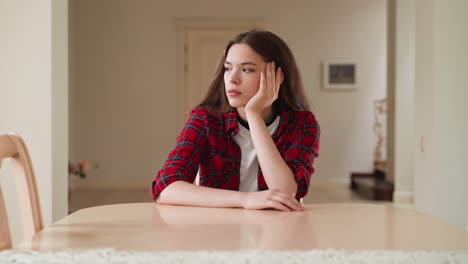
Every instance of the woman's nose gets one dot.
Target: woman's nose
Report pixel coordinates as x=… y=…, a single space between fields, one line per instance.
x=234 y=77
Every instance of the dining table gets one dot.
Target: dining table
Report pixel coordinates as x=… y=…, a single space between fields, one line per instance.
x=378 y=233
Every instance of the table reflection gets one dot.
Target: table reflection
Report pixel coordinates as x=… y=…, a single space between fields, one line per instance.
x=214 y=228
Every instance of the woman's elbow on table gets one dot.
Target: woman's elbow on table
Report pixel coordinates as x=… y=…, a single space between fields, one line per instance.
x=171 y=194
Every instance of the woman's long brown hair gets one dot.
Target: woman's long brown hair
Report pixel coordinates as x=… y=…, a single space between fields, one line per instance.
x=272 y=48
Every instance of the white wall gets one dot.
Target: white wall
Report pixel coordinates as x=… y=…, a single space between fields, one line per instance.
x=123 y=78
x=404 y=101
x=33 y=98
x=451 y=111
x=441 y=92
x=59 y=108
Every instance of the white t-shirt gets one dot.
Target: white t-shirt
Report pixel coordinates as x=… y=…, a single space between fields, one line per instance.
x=249 y=161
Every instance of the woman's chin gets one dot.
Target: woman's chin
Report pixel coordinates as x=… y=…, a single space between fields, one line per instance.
x=236 y=104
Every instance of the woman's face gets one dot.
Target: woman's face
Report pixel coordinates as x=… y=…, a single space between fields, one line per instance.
x=242 y=74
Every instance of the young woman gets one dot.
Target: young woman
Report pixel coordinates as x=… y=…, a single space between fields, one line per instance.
x=252 y=139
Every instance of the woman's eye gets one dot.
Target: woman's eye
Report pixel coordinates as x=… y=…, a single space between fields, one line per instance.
x=247 y=70
x=227 y=69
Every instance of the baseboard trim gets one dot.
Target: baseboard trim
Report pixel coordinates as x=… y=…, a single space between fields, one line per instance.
x=88 y=184
x=403 y=197
x=330 y=182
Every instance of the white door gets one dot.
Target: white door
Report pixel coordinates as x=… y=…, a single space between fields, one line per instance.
x=204 y=49
x=201 y=45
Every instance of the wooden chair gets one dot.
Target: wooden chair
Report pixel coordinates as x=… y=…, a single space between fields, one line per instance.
x=13 y=146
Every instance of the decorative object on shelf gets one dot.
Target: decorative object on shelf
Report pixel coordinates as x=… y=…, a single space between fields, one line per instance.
x=339 y=75
x=374 y=185
x=79 y=169
x=380 y=130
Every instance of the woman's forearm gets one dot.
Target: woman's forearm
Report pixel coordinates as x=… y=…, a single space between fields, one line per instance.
x=185 y=193
x=276 y=172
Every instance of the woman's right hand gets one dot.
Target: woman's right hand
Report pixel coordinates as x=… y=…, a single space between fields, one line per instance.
x=271 y=199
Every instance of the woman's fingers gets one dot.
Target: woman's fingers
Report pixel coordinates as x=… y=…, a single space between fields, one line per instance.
x=262 y=80
x=292 y=203
x=274 y=79
x=278 y=80
x=270 y=81
x=278 y=206
x=295 y=203
x=285 y=200
x=279 y=77
x=269 y=76
x=272 y=199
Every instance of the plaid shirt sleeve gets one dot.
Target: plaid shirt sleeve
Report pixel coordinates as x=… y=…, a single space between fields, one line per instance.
x=182 y=163
x=302 y=151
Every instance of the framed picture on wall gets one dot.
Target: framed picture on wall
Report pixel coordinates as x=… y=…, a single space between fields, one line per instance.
x=339 y=75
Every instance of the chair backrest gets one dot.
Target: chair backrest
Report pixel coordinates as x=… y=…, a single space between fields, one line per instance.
x=13 y=146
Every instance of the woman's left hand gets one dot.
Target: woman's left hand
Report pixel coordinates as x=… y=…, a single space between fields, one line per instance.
x=268 y=90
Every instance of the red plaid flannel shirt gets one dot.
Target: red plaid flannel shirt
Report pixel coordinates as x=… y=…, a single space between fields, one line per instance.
x=207 y=143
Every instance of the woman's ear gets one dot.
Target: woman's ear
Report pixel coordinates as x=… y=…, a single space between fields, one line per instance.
x=281 y=75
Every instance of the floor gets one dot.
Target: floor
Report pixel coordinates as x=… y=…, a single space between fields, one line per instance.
x=320 y=192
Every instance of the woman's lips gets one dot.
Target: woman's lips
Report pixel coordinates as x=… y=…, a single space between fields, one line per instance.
x=233 y=92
